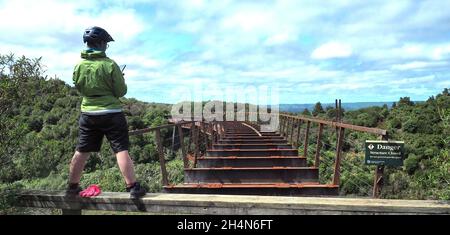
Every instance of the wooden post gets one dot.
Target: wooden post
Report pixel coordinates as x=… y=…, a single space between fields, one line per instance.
x=300 y=122
x=378 y=181
x=173 y=140
x=286 y=128
x=183 y=150
x=203 y=125
x=162 y=161
x=215 y=132
x=336 y=120
x=191 y=135
x=286 y=123
x=211 y=134
x=318 y=146
x=305 y=143
x=281 y=124
x=196 y=147
x=219 y=132
x=337 y=164
x=378 y=178
x=336 y=109
x=292 y=131
x=339 y=111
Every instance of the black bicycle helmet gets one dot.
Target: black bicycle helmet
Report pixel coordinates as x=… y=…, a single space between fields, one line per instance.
x=95 y=35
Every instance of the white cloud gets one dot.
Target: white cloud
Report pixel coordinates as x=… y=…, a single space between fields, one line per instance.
x=280 y=38
x=50 y=29
x=145 y=62
x=332 y=50
x=417 y=80
x=440 y=52
x=265 y=42
x=51 y=18
x=249 y=20
x=418 y=65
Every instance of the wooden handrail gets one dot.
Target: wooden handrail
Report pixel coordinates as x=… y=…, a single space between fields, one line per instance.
x=371 y=130
x=150 y=129
x=195 y=132
x=286 y=128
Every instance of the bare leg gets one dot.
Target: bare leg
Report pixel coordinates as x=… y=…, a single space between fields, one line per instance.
x=77 y=166
x=126 y=167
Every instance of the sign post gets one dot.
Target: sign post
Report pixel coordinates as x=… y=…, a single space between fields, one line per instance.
x=383 y=153
x=378 y=181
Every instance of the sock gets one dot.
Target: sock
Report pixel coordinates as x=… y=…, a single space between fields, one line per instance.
x=129 y=186
x=74 y=185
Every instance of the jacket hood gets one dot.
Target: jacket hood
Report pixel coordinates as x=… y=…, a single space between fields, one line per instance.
x=92 y=54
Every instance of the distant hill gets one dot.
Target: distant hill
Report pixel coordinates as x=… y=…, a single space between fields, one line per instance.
x=294 y=108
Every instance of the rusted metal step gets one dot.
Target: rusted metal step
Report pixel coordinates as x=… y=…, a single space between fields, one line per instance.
x=208 y=162
x=252 y=175
x=249 y=135
x=310 y=189
x=252 y=146
x=251 y=152
x=244 y=138
x=250 y=132
x=255 y=141
x=243 y=162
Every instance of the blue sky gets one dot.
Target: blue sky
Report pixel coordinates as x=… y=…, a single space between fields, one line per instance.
x=311 y=50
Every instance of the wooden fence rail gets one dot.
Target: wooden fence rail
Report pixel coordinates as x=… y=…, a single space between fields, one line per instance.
x=288 y=124
x=210 y=131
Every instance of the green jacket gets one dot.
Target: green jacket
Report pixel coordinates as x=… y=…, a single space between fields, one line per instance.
x=100 y=82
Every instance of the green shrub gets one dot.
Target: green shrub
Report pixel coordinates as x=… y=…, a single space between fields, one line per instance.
x=412 y=163
x=8 y=196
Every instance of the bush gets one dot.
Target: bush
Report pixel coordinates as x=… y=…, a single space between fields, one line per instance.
x=35 y=124
x=412 y=163
x=51 y=119
x=395 y=123
x=109 y=180
x=54 y=181
x=8 y=196
x=411 y=125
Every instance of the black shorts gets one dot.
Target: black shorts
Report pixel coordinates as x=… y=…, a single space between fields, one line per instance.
x=93 y=127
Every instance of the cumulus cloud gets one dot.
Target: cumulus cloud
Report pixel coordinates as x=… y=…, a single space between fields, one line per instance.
x=313 y=50
x=332 y=50
x=53 y=30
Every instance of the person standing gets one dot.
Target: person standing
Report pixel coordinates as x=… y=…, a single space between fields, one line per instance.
x=101 y=83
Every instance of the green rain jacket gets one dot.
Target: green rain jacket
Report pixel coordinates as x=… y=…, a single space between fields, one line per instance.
x=100 y=82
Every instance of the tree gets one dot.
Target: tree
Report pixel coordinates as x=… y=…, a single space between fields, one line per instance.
x=16 y=78
x=318 y=109
x=405 y=101
x=306 y=112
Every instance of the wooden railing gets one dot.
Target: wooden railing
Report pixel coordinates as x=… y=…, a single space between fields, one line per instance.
x=210 y=130
x=290 y=126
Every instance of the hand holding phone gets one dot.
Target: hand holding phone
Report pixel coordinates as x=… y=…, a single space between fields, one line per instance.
x=123 y=70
